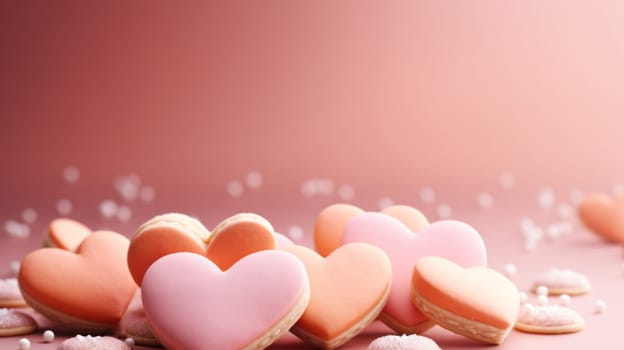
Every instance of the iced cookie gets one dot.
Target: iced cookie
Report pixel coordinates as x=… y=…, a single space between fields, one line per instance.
x=403 y=342
x=10 y=294
x=478 y=302
x=562 y=282
x=604 y=215
x=65 y=234
x=549 y=319
x=348 y=289
x=85 y=290
x=191 y=304
x=235 y=237
x=13 y=323
x=453 y=240
x=88 y=342
x=409 y=216
x=134 y=324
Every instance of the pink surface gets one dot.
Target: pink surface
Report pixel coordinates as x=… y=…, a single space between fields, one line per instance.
x=453 y=240
x=435 y=94
x=204 y=307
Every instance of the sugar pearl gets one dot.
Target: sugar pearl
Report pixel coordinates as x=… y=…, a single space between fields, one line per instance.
x=29 y=215
x=23 y=344
x=565 y=299
x=64 y=206
x=234 y=189
x=129 y=341
x=444 y=211
x=542 y=290
x=510 y=270
x=542 y=300
x=48 y=336
x=485 y=200
x=600 y=306
x=71 y=174
x=427 y=195
x=524 y=297
x=254 y=179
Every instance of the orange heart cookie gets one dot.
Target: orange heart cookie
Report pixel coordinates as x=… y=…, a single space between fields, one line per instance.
x=86 y=290
x=477 y=302
x=604 y=215
x=331 y=221
x=234 y=238
x=65 y=234
x=348 y=290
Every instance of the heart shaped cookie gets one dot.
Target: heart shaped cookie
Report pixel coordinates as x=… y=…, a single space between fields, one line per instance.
x=191 y=304
x=604 y=215
x=331 y=221
x=477 y=302
x=348 y=290
x=454 y=240
x=86 y=290
x=235 y=237
x=66 y=234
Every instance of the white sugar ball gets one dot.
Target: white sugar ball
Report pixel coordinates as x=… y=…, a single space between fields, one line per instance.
x=254 y=179
x=565 y=299
x=510 y=270
x=485 y=200
x=600 y=306
x=124 y=213
x=23 y=344
x=542 y=300
x=48 y=336
x=444 y=211
x=545 y=198
x=29 y=215
x=71 y=174
x=427 y=195
x=64 y=206
x=295 y=233
x=14 y=267
x=147 y=193
x=130 y=342
x=235 y=189
x=108 y=208
x=542 y=290
x=524 y=297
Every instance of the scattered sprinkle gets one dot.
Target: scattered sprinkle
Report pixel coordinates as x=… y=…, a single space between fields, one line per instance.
x=565 y=300
x=444 y=211
x=524 y=297
x=147 y=193
x=254 y=179
x=124 y=213
x=545 y=198
x=600 y=306
x=234 y=189
x=16 y=229
x=510 y=270
x=542 y=300
x=64 y=207
x=128 y=187
x=14 y=267
x=48 y=336
x=129 y=341
x=29 y=215
x=541 y=290
x=485 y=200
x=427 y=195
x=23 y=344
x=295 y=232
x=71 y=174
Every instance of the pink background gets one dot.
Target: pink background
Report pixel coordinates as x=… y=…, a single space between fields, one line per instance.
x=387 y=98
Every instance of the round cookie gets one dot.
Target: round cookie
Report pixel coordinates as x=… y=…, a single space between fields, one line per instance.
x=403 y=342
x=10 y=294
x=13 y=323
x=330 y=224
x=562 y=282
x=549 y=319
x=88 y=342
x=134 y=324
x=65 y=234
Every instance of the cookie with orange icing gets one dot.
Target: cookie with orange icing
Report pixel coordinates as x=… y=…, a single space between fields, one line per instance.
x=604 y=215
x=65 y=234
x=477 y=302
x=234 y=238
x=348 y=290
x=88 y=289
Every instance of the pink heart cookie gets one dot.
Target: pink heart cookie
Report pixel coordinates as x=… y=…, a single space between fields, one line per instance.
x=191 y=304
x=453 y=240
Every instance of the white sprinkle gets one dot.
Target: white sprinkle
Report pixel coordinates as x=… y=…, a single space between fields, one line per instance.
x=427 y=195
x=576 y=197
x=506 y=180
x=545 y=198
x=29 y=215
x=565 y=211
x=542 y=300
x=124 y=213
x=485 y=200
x=147 y=193
x=542 y=290
x=23 y=344
x=325 y=186
x=444 y=211
x=235 y=189
x=16 y=229
x=295 y=233
x=529 y=310
x=14 y=267
x=565 y=299
x=346 y=192
x=71 y=174
x=254 y=179
x=600 y=306
x=128 y=187
x=384 y=203
x=129 y=341
x=108 y=208
x=64 y=207
x=524 y=297
x=48 y=336
x=510 y=270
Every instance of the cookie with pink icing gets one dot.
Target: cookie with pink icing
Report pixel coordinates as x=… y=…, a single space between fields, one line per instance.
x=453 y=240
x=10 y=294
x=134 y=324
x=14 y=323
x=88 y=342
x=549 y=319
x=403 y=342
x=564 y=281
x=191 y=304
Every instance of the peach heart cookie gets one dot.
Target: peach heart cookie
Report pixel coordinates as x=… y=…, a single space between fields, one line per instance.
x=549 y=319
x=453 y=240
x=10 y=295
x=403 y=342
x=235 y=237
x=86 y=290
x=348 y=289
x=88 y=342
x=604 y=215
x=65 y=234
x=14 y=323
x=134 y=324
x=191 y=304
x=562 y=282
x=331 y=221
x=478 y=302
